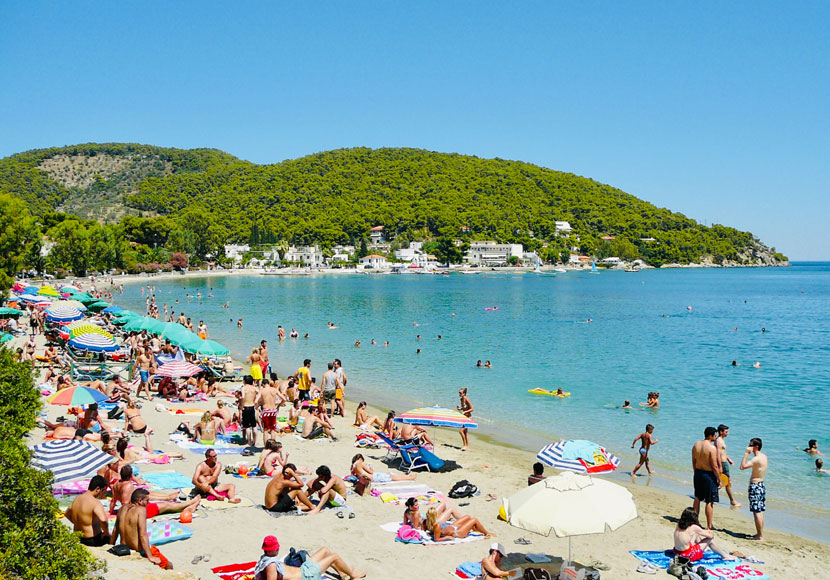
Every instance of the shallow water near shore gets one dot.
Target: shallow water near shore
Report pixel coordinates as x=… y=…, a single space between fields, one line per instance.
x=642 y=338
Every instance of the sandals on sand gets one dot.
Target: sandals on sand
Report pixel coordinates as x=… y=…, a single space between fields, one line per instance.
x=522 y=541
x=646 y=568
x=201 y=558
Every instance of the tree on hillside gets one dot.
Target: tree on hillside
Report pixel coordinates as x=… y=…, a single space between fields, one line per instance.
x=447 y=252
x=17 y=233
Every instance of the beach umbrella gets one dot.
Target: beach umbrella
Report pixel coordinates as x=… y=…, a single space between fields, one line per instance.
x=178 y=369
x=207 y=347
x=77 y=396
x=5 y=337
x=570 y=505
x=113 y=309
x=69 y=290
x=69 y=459
x=94 y=342
x=28 y=290
x=6 y=312
x=72 y=304
x=63 y=314
x=578 y=455
x=437 y=417
x=80 y=328
x=48 y=291
x=37 y=300
x=175 y=332
x=98 y=305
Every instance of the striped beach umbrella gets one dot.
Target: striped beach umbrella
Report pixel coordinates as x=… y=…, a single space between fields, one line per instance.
x=32 y=299
x=77 y=396
x=437 y=417
x=63 y=314
x=94 y=342
x=69 y=459
x=71 y=304
x=80 y=328
x=578 y=455
x=178 y=369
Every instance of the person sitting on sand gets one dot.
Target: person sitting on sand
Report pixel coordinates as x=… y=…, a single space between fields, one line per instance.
x=390 y=428
x=206 y=480
x=123 y=489
x=412 y=514
x=812 y=448
x=133 y=422
x=87 y=514
x=270 y=566
x=285 y=492
x=329 y=487
x=131 y=526
x=205 y=430
x=273 y=459
x=361 y=468
x=415 y=435
x=315 y=425
x=447 y=532
x=536 y=476
x=490 y=564
x=691 y=540
x=362 y=419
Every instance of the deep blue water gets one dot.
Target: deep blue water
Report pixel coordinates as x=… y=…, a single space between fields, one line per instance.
x=642 y=338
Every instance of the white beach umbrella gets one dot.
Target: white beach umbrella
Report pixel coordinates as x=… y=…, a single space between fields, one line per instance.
x=69 y=459
x=570 y=505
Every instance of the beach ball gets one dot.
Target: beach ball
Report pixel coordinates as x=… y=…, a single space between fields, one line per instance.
x=186 y=517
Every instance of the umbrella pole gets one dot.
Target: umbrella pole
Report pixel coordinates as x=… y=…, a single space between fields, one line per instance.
x=569 y=549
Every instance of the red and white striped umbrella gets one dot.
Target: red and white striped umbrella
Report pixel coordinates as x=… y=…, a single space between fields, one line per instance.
x=178 y=369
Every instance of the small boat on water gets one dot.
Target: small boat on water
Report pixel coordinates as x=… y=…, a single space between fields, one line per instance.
x=594 y=268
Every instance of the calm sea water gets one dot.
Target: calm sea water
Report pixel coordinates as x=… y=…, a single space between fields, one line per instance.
x=642 y=338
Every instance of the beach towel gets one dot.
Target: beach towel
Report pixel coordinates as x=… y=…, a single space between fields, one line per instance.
x=393 y=527
x=468 y=570
x=167 y=480
x=162 y=532
x=715 y=565
x=198 y=412
x=70 y=487
x=220 y=447
x=226 y=505
x=245 y=571
x=294 y=512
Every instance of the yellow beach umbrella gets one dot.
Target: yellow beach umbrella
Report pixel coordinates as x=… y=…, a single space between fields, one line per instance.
x=48 y=291
x=82 y=329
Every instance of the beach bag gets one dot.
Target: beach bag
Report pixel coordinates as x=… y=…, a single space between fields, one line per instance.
x=120 y=550
x=363 y=484
x=409 y=535
x=462 y=489
x=537 y=574
x=679 y=566
x=296 y=558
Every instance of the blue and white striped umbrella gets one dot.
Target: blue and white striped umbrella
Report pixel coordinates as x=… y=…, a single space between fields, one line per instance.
x=93 y=342
x=579 y=456
x=33 y=299
x=63 y=314
x=69 y=459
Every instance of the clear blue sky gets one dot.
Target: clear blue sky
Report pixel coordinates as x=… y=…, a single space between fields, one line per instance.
x=718 y=110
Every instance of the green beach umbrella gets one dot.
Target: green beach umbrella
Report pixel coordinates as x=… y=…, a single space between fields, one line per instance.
x=176 y=333
x=97 y=306
x=207 y=347
x=85 y=298
x=5 y=337
x=6 y=312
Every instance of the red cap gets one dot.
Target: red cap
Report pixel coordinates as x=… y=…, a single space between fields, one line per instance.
x=270 y=544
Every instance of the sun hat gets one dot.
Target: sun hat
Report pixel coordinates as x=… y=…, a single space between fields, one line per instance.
x=494 y=546
x=270 y=544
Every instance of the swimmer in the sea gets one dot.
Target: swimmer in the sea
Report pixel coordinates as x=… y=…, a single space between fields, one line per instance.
x=418 y=337
x=626 y=405
x=374 y=342
x=812 y=448
x=357 y=344
x=418 y=351
x=734 y=363
x=820 y=466
x=331 y=326
x=757 y=365
x=479 y=364
x=386 y=343
x=487 y=365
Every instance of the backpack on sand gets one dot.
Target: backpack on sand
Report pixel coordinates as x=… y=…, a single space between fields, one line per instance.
x=462 y=489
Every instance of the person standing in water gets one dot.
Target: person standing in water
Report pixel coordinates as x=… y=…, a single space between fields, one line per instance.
x=465 y=408
x=646 y=440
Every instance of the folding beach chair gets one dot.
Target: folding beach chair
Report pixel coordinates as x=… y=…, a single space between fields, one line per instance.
x=433 y=462
x=411 y=460
x=393 y=449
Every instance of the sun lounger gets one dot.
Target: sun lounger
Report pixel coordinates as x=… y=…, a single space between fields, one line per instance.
x=410 y=460
x=393 y=448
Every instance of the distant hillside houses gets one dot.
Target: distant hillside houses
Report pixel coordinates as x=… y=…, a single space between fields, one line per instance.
x=490 y=253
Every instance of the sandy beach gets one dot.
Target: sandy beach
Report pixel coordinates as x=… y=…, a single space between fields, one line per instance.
x=234 y=535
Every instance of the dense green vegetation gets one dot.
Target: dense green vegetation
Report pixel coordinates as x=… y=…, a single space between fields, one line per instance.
x=195 y=201
x=34 y=543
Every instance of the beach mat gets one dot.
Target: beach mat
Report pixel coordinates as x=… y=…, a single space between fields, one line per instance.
x=295 y=512
x=162 y=532
x=226 y=505
x=219 y=447
x=428 y=541
x=245 y=571
x=167 y=480
x=715 y=565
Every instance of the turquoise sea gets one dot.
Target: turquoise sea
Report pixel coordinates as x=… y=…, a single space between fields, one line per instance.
x=643 y=337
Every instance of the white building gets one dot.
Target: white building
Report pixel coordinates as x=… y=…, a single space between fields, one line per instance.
x=309 y=256
x=374 y=261
x=413 y=255
x=531 y=259
x=490 y=253
x=563 y=229
x=376 y=234
x=235 y=251
x=341 y=253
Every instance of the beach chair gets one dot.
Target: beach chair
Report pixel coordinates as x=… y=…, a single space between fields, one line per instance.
x=434 y=463
x=411 y=460
x=393 y=449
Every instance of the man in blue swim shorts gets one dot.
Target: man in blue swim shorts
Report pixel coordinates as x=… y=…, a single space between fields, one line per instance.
x=707 y=473
x=271 y=567
x=145 y=365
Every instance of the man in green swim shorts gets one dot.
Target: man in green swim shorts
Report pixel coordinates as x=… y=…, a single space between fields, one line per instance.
x=270 y=566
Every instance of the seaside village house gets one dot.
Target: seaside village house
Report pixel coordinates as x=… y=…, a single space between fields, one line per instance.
x=413 y=255
x=563 y=229
x=341 y=253
x=374 y=261
x=307 y=256
x=235 y=252
x=490 y=253
x=376 y=235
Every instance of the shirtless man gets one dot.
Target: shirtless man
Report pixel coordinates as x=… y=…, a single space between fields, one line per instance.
x=707 y=473
x=206 y=480
x=280 y=332
x=314 y=426
x=248 y=402
x=415 y=434
x=51 y=354
x=646 y=441
x=264 y=361
x=330 y=386
x=117 y=389
x=465 y=408
x=329 y=487
x=725 y=461
x=87 y=514
x=145 y=365
x=269 y=401
x=757 y=490
x=271 y=567
x=131 y=526
x=123 y=489
x=285 y=492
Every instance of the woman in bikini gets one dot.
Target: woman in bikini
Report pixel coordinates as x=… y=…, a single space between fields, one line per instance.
x=205 y=430
x=412 y=515
x=362 y=420
x=389 y=426
x=133 y=420
x=361 y=468
x=447 y=532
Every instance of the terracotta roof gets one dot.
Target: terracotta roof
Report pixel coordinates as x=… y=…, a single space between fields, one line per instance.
x=373 y=256
x=377 y=229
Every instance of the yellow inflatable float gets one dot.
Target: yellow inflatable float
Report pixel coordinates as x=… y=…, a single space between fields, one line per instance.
x=538 y=391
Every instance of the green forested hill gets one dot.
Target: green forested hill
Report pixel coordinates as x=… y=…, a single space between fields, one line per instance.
x=337 y=196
